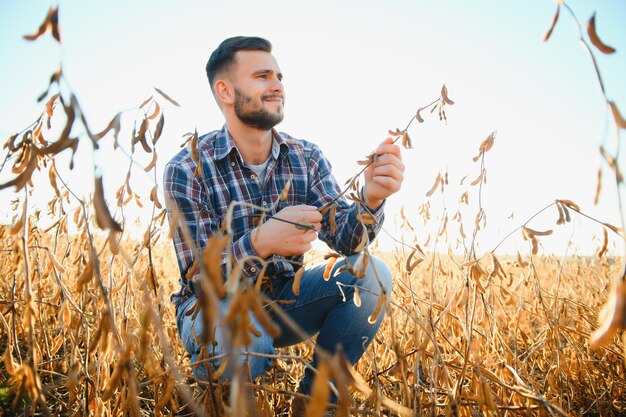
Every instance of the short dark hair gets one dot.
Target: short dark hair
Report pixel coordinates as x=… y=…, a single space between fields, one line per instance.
x=224 y=56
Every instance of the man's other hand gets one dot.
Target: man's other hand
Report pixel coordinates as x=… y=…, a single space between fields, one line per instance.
x=276 y=237
x=384 y=177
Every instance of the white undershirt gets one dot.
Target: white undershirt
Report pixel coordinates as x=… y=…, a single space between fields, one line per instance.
x=260 y=170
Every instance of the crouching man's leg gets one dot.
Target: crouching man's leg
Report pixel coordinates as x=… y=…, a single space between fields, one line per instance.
x=190 y=328
x=321 y=308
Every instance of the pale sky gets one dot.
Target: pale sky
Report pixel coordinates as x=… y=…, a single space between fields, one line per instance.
x=353 y=70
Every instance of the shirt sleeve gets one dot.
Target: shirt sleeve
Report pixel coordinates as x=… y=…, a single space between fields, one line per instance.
x=189 y=207
x=323 y=188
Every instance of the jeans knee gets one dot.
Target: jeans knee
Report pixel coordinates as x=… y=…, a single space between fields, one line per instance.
x=378 y=273
x=257 y=355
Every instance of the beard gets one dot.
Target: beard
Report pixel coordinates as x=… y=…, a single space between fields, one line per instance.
x=256 y=118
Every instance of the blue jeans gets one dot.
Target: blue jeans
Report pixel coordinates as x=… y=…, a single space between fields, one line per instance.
x=318 y=309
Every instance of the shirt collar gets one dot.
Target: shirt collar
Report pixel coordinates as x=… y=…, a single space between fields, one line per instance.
x=223 y=144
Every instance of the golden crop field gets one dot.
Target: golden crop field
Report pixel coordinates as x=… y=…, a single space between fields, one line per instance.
x=510 y=342
x=87 y=327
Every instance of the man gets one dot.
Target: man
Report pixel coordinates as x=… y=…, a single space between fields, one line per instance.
x=248 y=161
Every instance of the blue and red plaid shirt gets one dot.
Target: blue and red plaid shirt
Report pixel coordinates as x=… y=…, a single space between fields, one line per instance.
x=203 y=201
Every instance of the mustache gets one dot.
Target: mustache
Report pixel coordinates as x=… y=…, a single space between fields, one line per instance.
x=280 y=96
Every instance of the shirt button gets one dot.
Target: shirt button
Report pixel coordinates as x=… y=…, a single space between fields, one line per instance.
x=253 y=176
x=264 y=203
x=253 y=270
x=232 y=164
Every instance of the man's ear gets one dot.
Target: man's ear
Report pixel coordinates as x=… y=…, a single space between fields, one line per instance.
x=224 y=91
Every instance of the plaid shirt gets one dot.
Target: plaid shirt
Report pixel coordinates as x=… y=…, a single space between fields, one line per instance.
x=203 y=201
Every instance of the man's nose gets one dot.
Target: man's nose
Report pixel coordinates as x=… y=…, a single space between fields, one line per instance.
x=278 y=86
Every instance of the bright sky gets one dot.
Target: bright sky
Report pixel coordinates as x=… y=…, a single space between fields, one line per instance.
x=353 y=70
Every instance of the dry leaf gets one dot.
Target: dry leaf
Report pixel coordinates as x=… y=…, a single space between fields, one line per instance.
x=85 y=276
x=367 y=161
x=146 y=101
x=379 y=307
x=193 y=145
x=418 y=117
x=152 y=163
x=21 y=162
x=261 y=314
x=444 y=225
x=434 y=187
x=617 y=115
x=137 y=200
x=114 y=124
x=612 y=317
x=613 y=164
x=605 y=244
x=396 y=132
x=570 y=204
x=141 y=136
x=154 y=197
x=561 y=219
x=167 y=394
x=479 y=178
x=50 y=108
x=360 y=265
x=159 y=129
x=221 y=369
x=498 y=271
x=52 y=176
x=24 y=177
x=410 y=266
x=329 y=268
x=444 y=95
x=285 y=193
x=112 y=242
x=487 y=144
x=54 y=24
x=103 y=215
x=535 y=244
x=320 y=391
x=168 y=98
x=554 y=20
x=530 y=233
x=54 y=78
x=10 y=143
x=156 y=111
x=596 y=198
x=260 y=279
x=51 y=22
x=363 y=242
x=566 y=211
x=595 y=40
x=356 y=298
x=406 y=141
x=616 y=229
x=57 y=265
x=17 y=226
x=9 y=363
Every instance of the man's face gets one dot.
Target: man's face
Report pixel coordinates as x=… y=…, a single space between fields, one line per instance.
x=259 y=94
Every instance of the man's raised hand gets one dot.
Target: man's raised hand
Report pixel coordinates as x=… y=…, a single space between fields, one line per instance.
x=384 y=177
